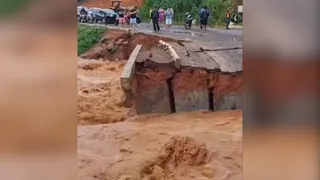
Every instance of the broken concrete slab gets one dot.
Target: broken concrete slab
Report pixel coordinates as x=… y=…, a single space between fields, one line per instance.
x=229 y=61
x=129 y=69
x=154 y=68
x=201 y=60
x=172 y=52
x=185 y=59
x=127 y=77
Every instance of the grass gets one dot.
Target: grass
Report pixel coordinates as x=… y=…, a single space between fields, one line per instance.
x=88 y=36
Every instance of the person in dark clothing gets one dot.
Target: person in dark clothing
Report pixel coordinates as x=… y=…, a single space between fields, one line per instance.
x=138 y=21
x=155 y=19
x=228 y=18
x=117 y=8
x=83 y=11
x=200 y=18
x=204 y=16
x=83 y=15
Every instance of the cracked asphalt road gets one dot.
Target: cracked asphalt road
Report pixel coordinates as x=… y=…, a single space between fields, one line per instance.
x=194 y=34
x=211 y=38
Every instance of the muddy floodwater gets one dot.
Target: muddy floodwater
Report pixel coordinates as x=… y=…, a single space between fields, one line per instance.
x=116 y=144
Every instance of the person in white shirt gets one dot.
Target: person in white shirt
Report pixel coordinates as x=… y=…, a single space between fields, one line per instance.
x=169 y=16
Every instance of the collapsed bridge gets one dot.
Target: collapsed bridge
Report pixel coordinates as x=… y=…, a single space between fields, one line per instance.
x=177 y=77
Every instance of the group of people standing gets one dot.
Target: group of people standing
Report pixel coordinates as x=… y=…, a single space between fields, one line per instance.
x=161 y=16
x=164 y=17
x=132 y=17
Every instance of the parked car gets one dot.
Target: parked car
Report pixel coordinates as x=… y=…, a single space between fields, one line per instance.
x=82 y=17
x=113 y=17
x=106 y=16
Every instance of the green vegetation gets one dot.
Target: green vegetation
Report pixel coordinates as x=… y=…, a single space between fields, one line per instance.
x=12 y=7
x=217 y=8
x=88 y=36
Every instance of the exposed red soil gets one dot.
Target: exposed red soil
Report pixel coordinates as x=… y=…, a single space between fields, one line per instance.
x=190 y=81
x=149 y=79
x=118 y=45
x=148 y=41
x=225 y=84
x=107 y=43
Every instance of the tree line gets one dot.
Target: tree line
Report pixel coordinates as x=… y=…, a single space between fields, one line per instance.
x=217 y=8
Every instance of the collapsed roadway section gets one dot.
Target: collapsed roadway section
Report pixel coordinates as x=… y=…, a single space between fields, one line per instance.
x=177 y=77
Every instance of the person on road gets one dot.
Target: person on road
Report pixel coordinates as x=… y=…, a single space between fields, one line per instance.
x=169 y=16
x=228 y=18
x=127 y=17
x=200 y=12
x=138 y=16
x=117 y=8
x=150 y=12
x=155 y=19
x=204 y=16
x=161 y=16
x=133 y=17
x=83 y=15
x=122 y=20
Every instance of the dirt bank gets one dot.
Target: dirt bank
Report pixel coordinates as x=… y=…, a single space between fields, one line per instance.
x=118 y=44
x=225 y=84
x=167 y=90
x=182 y=81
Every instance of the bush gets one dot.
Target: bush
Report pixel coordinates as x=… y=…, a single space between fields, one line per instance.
x=180 y=7
x=217 y=7
x=88 y=36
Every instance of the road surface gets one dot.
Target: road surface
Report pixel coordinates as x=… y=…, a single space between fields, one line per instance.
x=194 y=34
x=212 y=38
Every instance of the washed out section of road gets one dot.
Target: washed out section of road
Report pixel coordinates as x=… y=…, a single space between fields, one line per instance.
x=213 y=81
x=213 y=54
x=206 y=79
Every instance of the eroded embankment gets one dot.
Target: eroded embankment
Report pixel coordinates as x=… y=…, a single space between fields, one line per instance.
x=189 y=89
x=159 y=86
x=119 y=44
